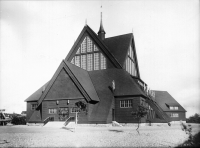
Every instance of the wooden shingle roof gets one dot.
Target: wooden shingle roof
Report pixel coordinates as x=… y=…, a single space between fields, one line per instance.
x=36 y=95
x=164 y=100
x=124 y=84
x=119 y=46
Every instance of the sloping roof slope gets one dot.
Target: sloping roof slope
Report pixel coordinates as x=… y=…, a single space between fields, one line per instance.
x=102 y=81
x=36 y=95
x=119 y=46
x=164 y=99
x=124 y=84
x=84 y=79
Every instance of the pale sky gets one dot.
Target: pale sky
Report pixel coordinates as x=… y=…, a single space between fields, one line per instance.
x=36 y=35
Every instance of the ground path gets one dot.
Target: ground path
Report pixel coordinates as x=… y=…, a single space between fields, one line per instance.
x=83 y=136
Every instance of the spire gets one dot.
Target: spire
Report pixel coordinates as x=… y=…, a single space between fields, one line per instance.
x=101 y=33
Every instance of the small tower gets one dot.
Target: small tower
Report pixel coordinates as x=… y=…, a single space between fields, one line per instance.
x=101 y=33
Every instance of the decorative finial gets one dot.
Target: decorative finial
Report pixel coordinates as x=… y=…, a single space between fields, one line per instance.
x=85 y=22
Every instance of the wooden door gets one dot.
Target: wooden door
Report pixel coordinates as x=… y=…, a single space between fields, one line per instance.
x=63 y=113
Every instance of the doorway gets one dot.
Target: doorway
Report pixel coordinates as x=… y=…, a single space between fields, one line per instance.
x=113 y=114
x=63 y=113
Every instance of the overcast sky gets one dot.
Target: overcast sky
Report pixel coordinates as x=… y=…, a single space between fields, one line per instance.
x=36 y=35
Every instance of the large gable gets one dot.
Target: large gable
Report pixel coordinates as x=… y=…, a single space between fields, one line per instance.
x=86 y=43
x=123 y=48
x=80 y=81
x=63 y=88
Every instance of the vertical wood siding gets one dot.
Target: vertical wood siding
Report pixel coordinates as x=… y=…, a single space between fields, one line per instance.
x=123 y=115
x=29 y=111
x=181 y=116
x=46 y=105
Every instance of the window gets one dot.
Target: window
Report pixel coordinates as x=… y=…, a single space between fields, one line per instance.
x=89 y=45
x=52 y=111
x=95 y=48
x=174 y=115
x=83 y=61
x=89 y=62
x=103 y=61
x=72 y=61
x=75 y=109
x=173 y=107
x=125 y=103
x=130 y=63
x=96 y=61
x=77 y=61
x=83 y=46
x=33 y=106
x=88 y=56
x=78 y=51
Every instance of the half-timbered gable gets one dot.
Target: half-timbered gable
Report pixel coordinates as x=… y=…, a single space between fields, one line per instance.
x=88 y=56
x=90 y=53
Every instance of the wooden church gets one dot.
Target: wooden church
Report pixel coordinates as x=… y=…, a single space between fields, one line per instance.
x=104 y=74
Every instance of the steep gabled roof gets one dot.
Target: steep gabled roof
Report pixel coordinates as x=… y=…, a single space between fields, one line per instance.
x=103 y=47
x=36 y=95
x=119 y=46
x=164 y=100
x=81 y=79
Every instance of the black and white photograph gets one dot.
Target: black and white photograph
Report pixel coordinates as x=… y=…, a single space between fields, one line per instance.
x=97 y=73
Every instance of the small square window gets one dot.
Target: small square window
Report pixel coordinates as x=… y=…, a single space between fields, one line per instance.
x=33 y=106
x=52 y=111
x=125 y=103
x=75 y=109
x=176 y=107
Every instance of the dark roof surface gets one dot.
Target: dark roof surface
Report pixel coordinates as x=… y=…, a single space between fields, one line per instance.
x=124 y=84
x=36 y=95
x=164 y=99
x=119 y=46
x=97 y=83
x=84 y=79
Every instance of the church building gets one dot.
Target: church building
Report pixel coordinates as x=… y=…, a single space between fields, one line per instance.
x=103 y=73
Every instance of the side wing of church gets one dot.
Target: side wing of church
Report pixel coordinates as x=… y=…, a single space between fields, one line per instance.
x=104 y=74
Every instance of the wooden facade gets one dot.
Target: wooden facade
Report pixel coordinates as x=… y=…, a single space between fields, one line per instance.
x=101 y=72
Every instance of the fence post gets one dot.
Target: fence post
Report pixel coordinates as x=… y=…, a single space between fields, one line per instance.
x=76 y=118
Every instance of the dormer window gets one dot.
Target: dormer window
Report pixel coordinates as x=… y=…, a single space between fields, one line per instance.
x=89 y=57
x=173 y=107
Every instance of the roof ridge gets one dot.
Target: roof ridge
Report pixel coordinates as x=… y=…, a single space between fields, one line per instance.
x=119 y=35
x=161 y=90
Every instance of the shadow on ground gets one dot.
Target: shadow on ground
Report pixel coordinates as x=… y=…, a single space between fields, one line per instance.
x=194 y=142
x=69 y=129
x=117 y=131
